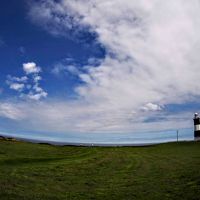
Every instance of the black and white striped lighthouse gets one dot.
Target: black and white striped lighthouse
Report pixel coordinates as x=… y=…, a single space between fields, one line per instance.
x=196 y=126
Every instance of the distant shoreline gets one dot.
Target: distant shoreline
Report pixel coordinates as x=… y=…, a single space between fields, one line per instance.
x=83 y=144
x=47 y=142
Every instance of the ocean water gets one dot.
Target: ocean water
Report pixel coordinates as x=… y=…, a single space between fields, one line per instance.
x=108 y=138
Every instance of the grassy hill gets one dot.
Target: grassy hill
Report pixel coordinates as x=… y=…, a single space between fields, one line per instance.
x=35 y=171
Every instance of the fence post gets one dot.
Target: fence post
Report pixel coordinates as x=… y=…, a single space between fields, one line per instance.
x=177 y=135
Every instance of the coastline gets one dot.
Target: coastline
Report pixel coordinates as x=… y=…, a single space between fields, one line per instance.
x=83 y=144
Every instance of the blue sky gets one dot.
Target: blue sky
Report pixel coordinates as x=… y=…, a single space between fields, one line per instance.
x=73 y=68
x=24 y=42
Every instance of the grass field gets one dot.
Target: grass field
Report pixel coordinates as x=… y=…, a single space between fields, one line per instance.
x=36 y=171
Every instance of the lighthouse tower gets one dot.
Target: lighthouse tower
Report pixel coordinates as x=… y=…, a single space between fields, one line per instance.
x=196 y=126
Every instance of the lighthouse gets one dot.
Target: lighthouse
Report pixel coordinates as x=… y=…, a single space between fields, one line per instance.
x=196 y=126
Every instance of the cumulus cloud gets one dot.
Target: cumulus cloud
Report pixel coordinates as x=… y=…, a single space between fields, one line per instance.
x=28 y=86
x=16 y=83
x=152 y=55
x=31 y=67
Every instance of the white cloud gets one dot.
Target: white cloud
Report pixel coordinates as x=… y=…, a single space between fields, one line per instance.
x=152 y=55
x=17 y=86
x=155 y=45
x=38 y=95
x=31 y=67
x=37 y=78
x=37 y=88
x=72 y=117
x=28 y=86
x=11 y=79
x=11 y=111
x=151 y=107
x=16 y=83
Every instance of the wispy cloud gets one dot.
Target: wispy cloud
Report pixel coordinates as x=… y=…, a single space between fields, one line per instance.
x=152 y=60
x=72 y=117
x=10 y=111
x=22 y=50
x=60 y=69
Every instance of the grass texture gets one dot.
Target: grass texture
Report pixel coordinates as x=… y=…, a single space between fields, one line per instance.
x=40 y=172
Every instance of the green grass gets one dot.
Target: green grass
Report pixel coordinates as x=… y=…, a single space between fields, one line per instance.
x=34 y=171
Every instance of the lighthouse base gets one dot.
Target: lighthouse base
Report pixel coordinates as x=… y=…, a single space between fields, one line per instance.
x=197 y=133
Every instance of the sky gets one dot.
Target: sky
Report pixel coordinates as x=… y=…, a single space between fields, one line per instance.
x=103 y=69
